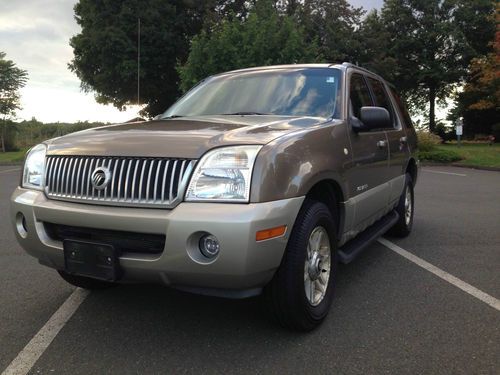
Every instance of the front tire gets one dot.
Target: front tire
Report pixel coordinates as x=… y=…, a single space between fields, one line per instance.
x=405 y=209
x=302 y=290
x=85 y=282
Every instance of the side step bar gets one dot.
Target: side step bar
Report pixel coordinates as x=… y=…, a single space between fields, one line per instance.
x=354 y=247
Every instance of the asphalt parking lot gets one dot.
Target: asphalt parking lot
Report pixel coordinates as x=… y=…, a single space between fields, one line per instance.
x=390 y=315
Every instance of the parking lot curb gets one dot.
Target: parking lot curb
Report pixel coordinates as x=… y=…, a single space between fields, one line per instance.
x=482 y=168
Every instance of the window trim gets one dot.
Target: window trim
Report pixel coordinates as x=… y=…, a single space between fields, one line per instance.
x=349 y=115
x=403 y=123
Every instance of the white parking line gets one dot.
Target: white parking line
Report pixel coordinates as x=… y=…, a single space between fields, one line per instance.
x=450 y=173
x=25 y=360
x=473 y=291
x=10 y=170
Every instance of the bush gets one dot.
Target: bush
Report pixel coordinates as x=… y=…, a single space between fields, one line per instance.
x=440 y=156
x=480 y=137
x=445 y=133
x=427 y=141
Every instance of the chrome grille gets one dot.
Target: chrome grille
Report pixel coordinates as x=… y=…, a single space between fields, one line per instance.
x=133 y=182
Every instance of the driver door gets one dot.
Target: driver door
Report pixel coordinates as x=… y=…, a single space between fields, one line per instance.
x=369 y=188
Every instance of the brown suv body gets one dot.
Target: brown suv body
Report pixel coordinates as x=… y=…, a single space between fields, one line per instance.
x=359 y=174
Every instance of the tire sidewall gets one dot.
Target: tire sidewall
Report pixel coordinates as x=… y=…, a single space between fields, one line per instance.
x=317 y=215
x=408 y=185
x=401 y=229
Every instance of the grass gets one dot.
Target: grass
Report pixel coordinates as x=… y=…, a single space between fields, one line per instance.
x=12 y=157
x=475 y=154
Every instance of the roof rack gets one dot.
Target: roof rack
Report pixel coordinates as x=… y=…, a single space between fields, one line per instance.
x=345 y=63
x=351 y=65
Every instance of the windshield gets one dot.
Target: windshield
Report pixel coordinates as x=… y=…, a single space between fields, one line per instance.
x=284 y=92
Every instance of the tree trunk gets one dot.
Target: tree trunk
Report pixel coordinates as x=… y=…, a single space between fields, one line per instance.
x=432 y=110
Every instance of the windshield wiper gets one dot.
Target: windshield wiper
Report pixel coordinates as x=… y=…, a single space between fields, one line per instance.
x=169 y=117
x=246 y=114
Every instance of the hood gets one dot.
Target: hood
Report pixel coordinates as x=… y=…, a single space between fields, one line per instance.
x=188 y=137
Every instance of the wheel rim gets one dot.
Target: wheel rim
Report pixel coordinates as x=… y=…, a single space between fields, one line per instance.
x=317 y=266
x=408 y=206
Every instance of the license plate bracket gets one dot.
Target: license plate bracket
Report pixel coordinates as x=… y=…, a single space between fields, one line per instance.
x=95 y=260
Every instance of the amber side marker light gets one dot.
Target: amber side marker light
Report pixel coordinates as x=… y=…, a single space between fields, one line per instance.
x=267 y=234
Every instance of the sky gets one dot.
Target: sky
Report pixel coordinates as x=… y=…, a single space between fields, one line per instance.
x=35 y=35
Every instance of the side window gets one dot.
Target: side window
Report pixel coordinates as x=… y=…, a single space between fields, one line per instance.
x=381 y=97
x=402 y=109
x=359 y=94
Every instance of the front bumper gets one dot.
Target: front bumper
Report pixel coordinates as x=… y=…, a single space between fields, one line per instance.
x=242 y=267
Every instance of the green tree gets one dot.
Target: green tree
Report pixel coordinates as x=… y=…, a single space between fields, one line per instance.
x=485 y=80
x=333 y=24
x=106 y=49
x=218 y=10
x=105 y=52
x=431 y=43
x=265 y=37
x=12 y=79
x=375 y=40
x=476 y=19
x=479 y=102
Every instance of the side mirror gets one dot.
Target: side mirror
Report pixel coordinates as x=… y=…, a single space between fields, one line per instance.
x=375 y=118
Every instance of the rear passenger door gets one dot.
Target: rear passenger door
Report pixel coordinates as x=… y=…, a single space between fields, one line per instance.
x=368 y=173
x=396 y=138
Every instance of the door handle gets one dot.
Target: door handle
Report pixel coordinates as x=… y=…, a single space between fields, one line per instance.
x=403 y=140
x=381 y=144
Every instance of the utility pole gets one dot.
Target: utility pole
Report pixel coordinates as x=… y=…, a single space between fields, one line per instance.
x=138 y=59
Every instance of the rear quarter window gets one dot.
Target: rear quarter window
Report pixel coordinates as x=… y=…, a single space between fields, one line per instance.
x=402 y=109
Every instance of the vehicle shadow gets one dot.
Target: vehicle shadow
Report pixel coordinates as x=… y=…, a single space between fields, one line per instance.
x=167 y=308
x=147 y=325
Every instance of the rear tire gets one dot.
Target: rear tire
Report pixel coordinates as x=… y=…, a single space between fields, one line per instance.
x=85 y=282
x=405 y=209
x=302 y=290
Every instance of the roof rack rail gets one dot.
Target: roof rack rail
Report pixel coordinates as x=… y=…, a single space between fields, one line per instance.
x=345 y=63
x=351 y=65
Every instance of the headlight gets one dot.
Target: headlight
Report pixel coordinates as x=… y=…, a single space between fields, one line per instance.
x=34 y=168
x=223 y=175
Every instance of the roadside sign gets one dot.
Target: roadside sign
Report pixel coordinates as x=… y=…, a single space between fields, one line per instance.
x=459 y=130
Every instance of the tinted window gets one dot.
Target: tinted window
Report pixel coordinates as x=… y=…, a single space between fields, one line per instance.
x=381 y=97
x=402 y=109
x=287 y=92
x=360 y=94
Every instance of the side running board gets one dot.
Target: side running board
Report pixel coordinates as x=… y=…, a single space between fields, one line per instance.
x=354 y=247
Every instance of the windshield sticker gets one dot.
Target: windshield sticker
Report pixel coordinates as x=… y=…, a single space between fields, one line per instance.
x=330 y=80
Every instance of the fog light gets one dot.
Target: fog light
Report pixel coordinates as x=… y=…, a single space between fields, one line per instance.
x=209 y=246
x=22 y=227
